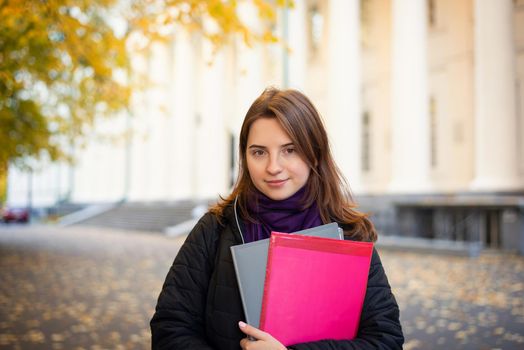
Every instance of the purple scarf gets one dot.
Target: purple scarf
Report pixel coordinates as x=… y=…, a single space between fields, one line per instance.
x=282 y=216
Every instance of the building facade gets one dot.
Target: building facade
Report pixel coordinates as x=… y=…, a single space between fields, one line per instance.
x=423 y=100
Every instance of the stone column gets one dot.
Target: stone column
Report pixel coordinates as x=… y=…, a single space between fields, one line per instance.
x=211 y=147
x=344 y=84
x=410 y=116
x=183 y=92
x=250 y=68
x=297 y=42
x=496 y=165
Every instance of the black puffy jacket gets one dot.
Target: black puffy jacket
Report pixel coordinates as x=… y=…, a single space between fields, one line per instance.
x=200 y=306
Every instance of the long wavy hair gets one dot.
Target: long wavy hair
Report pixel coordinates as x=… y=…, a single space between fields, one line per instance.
x=326 y=185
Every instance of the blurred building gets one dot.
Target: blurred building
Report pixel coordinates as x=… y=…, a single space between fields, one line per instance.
x=423 y=100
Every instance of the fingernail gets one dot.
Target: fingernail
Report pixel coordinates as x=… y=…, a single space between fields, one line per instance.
x=242 y=324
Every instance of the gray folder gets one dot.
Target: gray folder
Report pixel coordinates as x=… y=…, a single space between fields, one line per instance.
x=250 y=261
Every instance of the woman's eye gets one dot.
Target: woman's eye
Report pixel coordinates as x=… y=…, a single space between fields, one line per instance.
x=258 y=153
x=289 y=150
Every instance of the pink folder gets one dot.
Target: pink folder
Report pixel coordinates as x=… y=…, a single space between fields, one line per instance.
x=314 y=288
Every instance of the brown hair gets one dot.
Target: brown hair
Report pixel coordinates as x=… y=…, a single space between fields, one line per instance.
x=326 y=185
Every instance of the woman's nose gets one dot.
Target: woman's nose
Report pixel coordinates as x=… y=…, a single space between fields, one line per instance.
x=274 y=165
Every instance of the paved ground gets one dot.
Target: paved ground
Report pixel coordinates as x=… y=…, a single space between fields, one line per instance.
x=87 y=288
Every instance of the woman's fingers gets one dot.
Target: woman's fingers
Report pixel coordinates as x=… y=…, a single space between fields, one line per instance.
x=258 y=339
x=253 y=331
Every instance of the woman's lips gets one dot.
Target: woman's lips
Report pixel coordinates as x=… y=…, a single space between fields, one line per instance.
x=276 y=183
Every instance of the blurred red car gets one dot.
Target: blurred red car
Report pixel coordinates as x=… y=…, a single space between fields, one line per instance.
x=15 y=215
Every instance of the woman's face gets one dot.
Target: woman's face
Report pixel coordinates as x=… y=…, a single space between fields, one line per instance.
x=275 y=167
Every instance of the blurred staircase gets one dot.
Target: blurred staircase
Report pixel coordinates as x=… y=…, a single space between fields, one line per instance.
x=146 y=216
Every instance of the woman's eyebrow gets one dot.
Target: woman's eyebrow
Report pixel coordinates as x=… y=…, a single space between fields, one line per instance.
x=284 y=145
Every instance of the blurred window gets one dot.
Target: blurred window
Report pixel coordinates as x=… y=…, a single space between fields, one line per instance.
x=432 y=13
x=316 y=27
x=433 y=131
x=366 y=141
x=232 y=159
x=520 y=123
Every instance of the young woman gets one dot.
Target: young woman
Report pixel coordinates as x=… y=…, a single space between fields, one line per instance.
x=288 y=181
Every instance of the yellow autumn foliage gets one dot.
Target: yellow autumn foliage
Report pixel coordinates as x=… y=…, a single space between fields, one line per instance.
x=58 y=60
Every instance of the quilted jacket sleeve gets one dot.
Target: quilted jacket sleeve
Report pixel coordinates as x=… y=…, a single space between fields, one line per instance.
x=178 y=322
x=379 y=323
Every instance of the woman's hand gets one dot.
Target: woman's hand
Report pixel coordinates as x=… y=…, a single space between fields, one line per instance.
x=263 y=340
